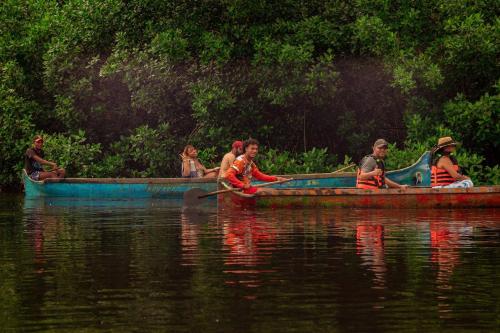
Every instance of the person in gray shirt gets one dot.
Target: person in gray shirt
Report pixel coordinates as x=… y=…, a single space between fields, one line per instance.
x=34 y=160
x=371 y=171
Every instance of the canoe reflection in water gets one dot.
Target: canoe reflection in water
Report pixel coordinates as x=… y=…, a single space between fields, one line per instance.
x=442 y=234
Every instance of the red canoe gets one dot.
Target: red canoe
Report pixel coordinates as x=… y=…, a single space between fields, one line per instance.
x=476 y=197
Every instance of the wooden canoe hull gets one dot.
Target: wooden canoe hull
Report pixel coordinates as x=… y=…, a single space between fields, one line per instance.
x=416 y=198
x=119 y=188
x=174 y=188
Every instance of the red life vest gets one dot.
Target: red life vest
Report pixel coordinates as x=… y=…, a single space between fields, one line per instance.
x=375 y=181
x=441 y=177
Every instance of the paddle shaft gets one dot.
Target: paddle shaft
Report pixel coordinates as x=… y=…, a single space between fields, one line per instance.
x=344 y=168
x=239 y=189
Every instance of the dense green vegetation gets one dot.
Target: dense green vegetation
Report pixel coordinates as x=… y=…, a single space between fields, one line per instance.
x=118 y=87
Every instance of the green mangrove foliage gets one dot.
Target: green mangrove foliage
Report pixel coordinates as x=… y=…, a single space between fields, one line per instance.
x=119 y=87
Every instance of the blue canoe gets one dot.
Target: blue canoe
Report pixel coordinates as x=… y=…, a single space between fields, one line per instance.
x=174 y=188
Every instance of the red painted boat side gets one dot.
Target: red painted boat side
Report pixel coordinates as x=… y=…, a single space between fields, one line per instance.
x=419 y=198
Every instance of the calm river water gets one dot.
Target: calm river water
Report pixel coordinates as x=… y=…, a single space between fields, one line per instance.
x=150 y=266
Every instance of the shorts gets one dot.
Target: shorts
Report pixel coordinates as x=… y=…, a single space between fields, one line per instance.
x=466 y=183
x=35 y=175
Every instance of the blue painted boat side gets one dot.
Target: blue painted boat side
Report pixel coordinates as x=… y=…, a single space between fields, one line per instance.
x=112 y=190
x=417 y=174
x=346 y=181
x=123 y=203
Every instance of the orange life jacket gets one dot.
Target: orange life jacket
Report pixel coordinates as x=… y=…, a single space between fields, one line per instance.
x=441 y=177
x=375 y=181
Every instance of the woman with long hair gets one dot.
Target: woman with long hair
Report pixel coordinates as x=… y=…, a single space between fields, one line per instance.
x=192 y=167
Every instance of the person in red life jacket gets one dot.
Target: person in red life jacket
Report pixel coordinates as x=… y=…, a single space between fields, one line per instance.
x=371 y=171
x=445 y=171
x=244 y=169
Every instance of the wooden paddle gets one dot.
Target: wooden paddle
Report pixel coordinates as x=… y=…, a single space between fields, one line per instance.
x=344 y=168
x=196 y=195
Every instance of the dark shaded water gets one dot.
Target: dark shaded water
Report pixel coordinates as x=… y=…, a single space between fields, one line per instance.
x=149 y=266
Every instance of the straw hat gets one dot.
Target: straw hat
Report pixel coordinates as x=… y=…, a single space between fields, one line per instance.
x=446 y=141
x=443 y=142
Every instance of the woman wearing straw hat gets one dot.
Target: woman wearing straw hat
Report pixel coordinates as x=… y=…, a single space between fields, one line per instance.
x=445 y=171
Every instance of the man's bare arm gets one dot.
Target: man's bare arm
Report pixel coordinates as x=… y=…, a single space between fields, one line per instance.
x=393 y=184
x=44 y=162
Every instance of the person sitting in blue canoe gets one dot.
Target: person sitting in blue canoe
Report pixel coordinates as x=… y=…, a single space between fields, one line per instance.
x=371 y=171
x=192 y=167
x=445 y=171
x=228 y=159
x=34 y=160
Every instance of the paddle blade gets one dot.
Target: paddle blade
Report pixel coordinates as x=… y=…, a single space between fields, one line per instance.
x=192 y=197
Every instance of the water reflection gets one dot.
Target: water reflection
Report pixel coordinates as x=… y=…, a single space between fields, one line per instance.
x=370 y=247
x=118 y=266
x=249 y=242
x=446 y=239
x=192 y=221
x=35 y=229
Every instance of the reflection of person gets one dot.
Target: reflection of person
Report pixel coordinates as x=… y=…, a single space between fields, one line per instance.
x=445 y=171
x=42 y=227
x=189 y=238
x=448 y=234
x=246 y=237
x=244 y=169
x=370 y=246
x=248 y=246
x=228 y=159
x=445 y=245
x=34 y=159
x=192 y=167
x=371 y=171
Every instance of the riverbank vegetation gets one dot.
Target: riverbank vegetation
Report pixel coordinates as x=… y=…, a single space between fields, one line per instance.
x=119 y=87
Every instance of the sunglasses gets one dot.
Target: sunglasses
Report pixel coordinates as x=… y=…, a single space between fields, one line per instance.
x=39 y=141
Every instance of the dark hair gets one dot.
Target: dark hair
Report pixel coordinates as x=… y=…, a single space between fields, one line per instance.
x=249 y=142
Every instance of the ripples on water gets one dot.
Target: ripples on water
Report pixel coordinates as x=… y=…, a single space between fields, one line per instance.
x=85 y=266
